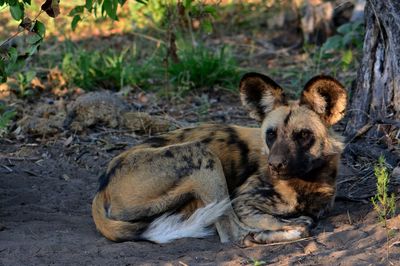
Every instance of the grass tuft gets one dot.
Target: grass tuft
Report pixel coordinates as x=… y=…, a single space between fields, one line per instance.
x=202 y=68
x=6 y=116
x=110 y=70
x=384 y=205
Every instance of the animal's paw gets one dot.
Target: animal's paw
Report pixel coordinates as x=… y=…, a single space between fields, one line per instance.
x=305 y=221
x=266 y=237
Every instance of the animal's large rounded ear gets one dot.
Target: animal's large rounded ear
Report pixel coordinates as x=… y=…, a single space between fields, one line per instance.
x=326 y=96
x=260 y=94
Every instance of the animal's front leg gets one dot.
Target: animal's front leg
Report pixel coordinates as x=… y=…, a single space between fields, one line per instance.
x=289 y=229
x=260 y=207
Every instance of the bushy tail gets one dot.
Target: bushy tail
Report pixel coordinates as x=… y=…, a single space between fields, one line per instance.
x=170 y=227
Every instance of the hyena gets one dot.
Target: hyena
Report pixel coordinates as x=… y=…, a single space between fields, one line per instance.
x=255 y=185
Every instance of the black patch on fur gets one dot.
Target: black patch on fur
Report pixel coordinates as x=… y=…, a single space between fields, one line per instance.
x=302 y=162
x=286 y=121
x=304 y=139
x=312 y=202
x=178 y=204
x=266 y=192
x=210 y=164
x=253 y=86
x=169 y=154
x=181 y=137
x=187 y=166
x=270 y=136
x=156 y=142
x=104 y=179
x=207 y=140
x=246 y=168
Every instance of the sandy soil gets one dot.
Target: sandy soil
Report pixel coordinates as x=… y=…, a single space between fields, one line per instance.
x=46 y=189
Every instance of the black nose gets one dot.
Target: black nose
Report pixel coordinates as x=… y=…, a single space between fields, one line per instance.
x=277 y=163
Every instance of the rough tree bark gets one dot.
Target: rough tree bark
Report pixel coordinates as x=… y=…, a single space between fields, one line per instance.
x=375 y=104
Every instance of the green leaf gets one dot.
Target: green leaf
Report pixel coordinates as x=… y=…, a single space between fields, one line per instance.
x=121 y=2
x=187 y=3
x=15 y=63
x=12 y=2
x=75 y=21
x=39 y=28
x=348 y=38
x=5 y=119
x=345 y=28
x=13 y=55
x=2 y=2
x=144 y=2
x=110 y=8
x=76 y=10
x=207 y=26
x=28 y=2
x=17 y=11
x=33 y=48
x=211 y=10
x=34 y=39
x=89 y=5
x=3 y=74
x=347 y=57
x=333 y=42
x=29 y=76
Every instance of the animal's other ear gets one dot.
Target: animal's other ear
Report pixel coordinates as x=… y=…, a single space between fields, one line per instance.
x=260 y=94
x=326 y=96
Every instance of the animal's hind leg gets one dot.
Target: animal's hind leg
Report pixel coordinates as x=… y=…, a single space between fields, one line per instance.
x=169 y=201
x=209 y=185
x=192 y=172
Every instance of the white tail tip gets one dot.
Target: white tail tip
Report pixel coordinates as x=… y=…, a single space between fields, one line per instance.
x=170 y=227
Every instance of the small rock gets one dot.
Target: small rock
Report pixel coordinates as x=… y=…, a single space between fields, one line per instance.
x=41 y=126
x=95 y=108
x=42 y=119
x=145 y=123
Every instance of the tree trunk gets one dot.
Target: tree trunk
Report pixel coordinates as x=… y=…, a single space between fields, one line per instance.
x=375 y=103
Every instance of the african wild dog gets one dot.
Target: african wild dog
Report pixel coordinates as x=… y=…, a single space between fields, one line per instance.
x=279 y=177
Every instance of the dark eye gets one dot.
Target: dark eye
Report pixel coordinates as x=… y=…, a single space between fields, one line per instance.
x=303 y=136
x=270 y=136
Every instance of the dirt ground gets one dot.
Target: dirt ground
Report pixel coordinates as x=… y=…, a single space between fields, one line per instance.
x=48 y=182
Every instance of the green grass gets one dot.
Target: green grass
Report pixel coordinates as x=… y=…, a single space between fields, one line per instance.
x=198 y=69
x=384 y=204
x=108 y=69
x=6 y=116
x=203 y=68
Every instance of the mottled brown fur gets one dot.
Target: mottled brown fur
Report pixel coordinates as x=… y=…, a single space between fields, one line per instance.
x=280 y=177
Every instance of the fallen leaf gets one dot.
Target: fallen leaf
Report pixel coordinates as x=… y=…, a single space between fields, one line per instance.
x=68 y=141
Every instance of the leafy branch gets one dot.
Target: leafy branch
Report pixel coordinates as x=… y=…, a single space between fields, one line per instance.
x=11 y=60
